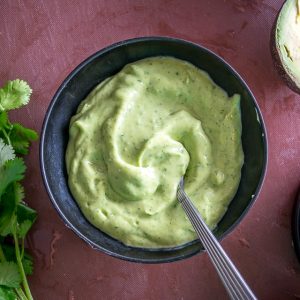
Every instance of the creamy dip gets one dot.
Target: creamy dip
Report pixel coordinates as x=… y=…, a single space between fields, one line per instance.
x=133 y=138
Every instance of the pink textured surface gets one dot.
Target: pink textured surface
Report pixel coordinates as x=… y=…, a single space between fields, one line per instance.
x=42 y=41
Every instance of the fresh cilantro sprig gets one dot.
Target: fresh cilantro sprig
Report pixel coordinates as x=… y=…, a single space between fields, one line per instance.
x=16 y=218
x=14 y=94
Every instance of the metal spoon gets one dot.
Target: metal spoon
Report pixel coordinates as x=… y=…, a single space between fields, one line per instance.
x=234 y=283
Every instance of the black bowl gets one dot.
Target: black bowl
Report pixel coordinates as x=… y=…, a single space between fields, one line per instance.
x=108 y=62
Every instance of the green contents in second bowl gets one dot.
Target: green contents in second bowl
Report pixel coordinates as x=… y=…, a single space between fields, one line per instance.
x=133 y=138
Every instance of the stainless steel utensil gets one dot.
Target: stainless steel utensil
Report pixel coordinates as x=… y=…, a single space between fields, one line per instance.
x=234 y=283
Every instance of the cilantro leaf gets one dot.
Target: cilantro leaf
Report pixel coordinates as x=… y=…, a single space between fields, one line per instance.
x=9 y=274
x=19 y=192
x=6 y=152
x=14 y=94
x=7 y=293
x=26 y=216
x=20 y=138
x=24 y=212
x=27 y=260
x=6 y=225
x=23 y=228
x=12 y=170
x=8 y=207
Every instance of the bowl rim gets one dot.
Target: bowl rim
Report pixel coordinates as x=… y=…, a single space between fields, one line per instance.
x=53 y=101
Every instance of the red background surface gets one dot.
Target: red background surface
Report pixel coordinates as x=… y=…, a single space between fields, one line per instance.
x=42 y=41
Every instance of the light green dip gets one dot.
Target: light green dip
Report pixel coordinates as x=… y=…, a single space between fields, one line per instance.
x=133 y=138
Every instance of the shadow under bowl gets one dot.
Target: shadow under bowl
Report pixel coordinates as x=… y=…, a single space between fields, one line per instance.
x=108 y=62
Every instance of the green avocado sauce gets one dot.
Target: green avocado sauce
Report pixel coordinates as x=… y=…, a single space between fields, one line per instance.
x=133 y=138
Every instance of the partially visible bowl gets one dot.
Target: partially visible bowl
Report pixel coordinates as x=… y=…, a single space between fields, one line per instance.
x=108 y=62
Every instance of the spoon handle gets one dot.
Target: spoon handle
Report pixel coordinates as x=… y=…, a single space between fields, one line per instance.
x=234 y=283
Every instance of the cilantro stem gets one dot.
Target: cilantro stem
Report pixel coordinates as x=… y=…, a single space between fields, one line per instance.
x=20 y=265
x=2 y=256
x=19 y=291
x=21 y=294
x=7 y=137
x=22 y=248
